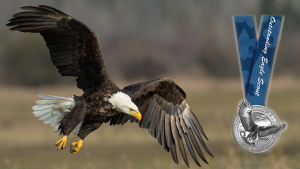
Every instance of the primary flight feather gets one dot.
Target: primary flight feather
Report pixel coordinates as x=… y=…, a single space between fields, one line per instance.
x=158 y=105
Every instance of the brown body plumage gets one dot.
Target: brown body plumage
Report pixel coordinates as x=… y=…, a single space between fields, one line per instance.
x=75 y=51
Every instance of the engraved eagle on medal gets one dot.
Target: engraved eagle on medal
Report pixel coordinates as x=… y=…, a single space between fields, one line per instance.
x=255 y=129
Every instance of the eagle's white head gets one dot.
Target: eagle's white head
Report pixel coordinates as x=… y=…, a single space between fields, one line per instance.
x=122 y=103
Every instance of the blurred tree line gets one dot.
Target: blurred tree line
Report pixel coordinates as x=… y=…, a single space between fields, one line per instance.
x=150 y=38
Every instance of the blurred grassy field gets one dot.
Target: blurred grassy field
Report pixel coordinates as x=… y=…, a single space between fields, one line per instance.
x=27 y=143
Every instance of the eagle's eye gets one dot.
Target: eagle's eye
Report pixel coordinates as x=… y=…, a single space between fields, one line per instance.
x=130 y=109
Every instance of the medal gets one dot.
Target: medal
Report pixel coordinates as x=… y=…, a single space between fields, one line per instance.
x=256 y=128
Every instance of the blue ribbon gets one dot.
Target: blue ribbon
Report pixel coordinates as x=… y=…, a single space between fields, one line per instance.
x=257 y=57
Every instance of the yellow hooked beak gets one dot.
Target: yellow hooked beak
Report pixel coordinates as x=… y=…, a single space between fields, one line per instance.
x=137 y=115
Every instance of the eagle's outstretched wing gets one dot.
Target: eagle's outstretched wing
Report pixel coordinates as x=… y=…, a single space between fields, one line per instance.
x=266 y=131
x=167 y=116
x=245 y=113
x=74 y=48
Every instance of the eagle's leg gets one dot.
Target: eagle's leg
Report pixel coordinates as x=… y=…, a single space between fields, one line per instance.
x=86 y=128
x=77 y=148
x=71 y=120
x=62 y=142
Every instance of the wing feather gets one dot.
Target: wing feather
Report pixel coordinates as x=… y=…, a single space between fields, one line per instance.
x=162 y=131
x=152 y=129
x=196 y=122
x=148 y=114
x=196 y=146
x=190 y=124
x=158 y=127
x=168 y=117
x=74 y=48
x=269 y=130
x=177 y=131
x=187 y=140
x=169 y=138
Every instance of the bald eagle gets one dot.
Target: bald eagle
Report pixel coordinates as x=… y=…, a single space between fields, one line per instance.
x=158 y=105
x=254 y=131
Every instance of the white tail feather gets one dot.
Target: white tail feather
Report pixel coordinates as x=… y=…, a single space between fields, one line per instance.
x=55 y=112
x=52 y=119
x=44 y=117
x=53 y=109
x=41 y=107
x=39 y=102
x=41 y=112
x=44 y=96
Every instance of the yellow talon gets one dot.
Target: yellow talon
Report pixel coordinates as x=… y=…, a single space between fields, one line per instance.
x=62 y=142
x=77 y=148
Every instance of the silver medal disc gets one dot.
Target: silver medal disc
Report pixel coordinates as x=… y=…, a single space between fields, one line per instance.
x=256 y=128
